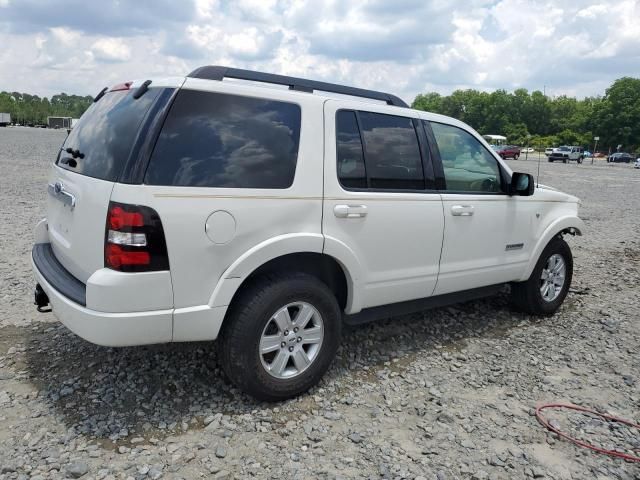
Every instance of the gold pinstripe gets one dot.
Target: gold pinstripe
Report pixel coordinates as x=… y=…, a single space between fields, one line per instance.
x=426 y=197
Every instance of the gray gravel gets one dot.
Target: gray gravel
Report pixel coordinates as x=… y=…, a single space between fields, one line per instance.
x=442 y=394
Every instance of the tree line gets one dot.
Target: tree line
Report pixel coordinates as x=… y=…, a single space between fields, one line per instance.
x=525 y=118
x=536 y=120
x=33 y=110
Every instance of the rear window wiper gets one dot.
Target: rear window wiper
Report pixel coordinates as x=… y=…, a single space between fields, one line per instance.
x=101 y=94
x=141 y=89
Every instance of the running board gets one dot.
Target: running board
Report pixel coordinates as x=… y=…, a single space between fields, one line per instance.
x=412 y=306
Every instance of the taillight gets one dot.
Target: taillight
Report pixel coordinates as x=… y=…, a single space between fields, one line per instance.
x=134 y=239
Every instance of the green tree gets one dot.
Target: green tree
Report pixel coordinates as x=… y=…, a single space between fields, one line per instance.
x=615 y=117
x=31 y=109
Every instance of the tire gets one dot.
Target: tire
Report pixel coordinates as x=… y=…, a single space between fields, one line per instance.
x=580 y=160
x=252 y=315
x=550 y=160
x=515 y=156
x=564 y=160
x=527 y=296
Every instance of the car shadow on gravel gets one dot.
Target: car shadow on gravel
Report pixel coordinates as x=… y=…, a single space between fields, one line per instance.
x=160 y=390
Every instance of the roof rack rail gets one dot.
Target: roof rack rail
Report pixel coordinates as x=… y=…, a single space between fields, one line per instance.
x=215 y=72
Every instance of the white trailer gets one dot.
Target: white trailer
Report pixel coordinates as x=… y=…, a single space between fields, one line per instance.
x=5 y=119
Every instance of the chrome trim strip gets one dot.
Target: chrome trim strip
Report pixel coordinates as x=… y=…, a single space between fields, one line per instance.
x=57 y=190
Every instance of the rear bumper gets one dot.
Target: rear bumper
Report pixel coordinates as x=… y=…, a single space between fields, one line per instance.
x=67 y=297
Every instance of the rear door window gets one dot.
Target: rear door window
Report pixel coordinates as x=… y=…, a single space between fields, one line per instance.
x=378 y=151
x=219 y=140
x=106 y=133
x=392 y=151
x=352 y=172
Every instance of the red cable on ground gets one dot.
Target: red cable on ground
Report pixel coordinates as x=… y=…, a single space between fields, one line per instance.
x=613 y=453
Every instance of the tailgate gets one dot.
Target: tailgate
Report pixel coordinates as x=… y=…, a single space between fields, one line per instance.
x=91 y=160
x=76 y=214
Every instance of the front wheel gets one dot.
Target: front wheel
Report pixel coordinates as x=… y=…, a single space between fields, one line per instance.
x=515 y=156
x=547 y=287
x=580 y=160
x=281 y=336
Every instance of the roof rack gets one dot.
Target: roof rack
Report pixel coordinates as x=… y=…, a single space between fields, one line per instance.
x=215 y=72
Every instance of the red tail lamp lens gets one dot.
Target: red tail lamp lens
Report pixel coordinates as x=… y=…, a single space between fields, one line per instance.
x=119 y=218
x=116 y=257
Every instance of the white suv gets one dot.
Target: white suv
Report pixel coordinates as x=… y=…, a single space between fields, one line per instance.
x=198 y=208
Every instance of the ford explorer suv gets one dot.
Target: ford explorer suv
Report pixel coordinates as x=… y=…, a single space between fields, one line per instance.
x=268 y=211
x=566 y=154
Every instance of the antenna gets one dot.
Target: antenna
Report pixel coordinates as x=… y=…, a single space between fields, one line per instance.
x=538 y=176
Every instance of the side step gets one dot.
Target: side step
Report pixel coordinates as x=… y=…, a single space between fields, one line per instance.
x=412 y=306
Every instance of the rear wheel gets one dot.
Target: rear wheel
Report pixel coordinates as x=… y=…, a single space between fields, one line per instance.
x=564 y=160
x=281 y=336
x=547 y=287
x=580 y=159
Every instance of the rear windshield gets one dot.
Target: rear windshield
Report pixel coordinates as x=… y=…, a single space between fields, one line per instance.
x=219 y=140
x=105 y=134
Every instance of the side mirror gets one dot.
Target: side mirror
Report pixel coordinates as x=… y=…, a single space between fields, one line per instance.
x=522 y=184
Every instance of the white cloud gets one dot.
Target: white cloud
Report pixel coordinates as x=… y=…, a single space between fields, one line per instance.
x=406 y=46
x=111 y=50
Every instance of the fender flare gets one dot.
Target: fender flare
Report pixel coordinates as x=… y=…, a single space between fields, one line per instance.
x=560 y=225
x=254 y=258
x=352 y=268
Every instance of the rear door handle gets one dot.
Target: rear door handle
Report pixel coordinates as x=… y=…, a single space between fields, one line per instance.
x=350 y=211
x=462 y=210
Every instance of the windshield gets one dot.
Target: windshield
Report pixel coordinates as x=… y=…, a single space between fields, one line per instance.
x=105 y=134
x=563 y=149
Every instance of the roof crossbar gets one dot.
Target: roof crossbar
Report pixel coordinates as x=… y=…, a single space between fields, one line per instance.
x=215 y=72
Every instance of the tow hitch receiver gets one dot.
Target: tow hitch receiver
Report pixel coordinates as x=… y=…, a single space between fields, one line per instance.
x=41 y=300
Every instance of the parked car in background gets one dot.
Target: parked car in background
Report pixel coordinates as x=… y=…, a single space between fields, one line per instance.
x=586 y=154
x=527 y=150
x=637 y=164
x=548 y=151
x=567 y=153
x=508 y=151
x=620 y=157
x=599 y=155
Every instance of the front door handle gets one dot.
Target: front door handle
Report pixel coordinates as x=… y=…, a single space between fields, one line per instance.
x=350 y=211
x=462 y=210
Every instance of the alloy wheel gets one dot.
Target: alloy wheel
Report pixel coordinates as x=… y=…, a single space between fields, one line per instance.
x=553 y=277
x=291 y=340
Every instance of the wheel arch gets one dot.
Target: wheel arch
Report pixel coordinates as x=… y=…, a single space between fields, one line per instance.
x=293 y=252
x=571 y=225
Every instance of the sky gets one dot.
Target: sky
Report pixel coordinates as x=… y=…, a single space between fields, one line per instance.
x=406 y=47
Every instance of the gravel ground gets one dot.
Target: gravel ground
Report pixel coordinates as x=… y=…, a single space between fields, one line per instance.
x=443 y=394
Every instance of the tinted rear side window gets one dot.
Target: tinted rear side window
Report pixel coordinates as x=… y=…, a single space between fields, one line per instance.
x=351 y=169
x=392 y=151
x=105 y=134
x=220 y=140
